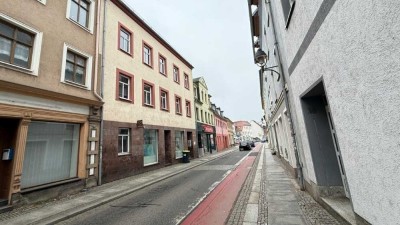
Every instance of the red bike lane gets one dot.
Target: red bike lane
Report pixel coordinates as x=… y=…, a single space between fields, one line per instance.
x=215 y=208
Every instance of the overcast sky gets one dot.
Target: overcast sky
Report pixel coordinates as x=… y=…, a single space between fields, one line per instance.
x=214 y=36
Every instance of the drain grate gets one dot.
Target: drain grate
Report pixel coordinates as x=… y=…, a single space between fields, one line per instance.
x=253 y=154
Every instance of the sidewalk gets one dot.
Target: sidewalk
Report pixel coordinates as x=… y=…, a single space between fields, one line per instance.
x=53 y=212
x=270 y=196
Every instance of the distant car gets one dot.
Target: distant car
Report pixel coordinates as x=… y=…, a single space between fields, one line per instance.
x=244 y=145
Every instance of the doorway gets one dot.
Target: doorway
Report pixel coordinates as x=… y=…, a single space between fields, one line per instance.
x=8 y=134
x=167 y=147
x=189 y=139
x=324 y=147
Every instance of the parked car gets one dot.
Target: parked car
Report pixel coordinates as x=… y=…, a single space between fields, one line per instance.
x=244 y=145
x=252 y=144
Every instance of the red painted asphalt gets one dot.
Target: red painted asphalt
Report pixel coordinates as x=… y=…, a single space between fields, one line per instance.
x=215 y=208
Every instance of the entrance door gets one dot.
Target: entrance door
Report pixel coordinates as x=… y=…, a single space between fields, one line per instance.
x=338 y=153
x=167 y=147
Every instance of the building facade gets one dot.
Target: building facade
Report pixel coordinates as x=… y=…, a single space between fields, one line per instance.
x=221 y=128
x=148 y=97
x=231 y=131
x=49 y=99
x=204 y=117
x=243 y=130
x=257 y=131
x=338 y=66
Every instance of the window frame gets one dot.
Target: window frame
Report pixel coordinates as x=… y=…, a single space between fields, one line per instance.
x=180 y=105
x=287 y=15
x=145 y=45
x=129 y=141
x=160 y=56
x=90 y=16
x=126 y=30
x=173 y=74
x=162 y=90
x=186 y=81
x=152 y=86
x=188 y=107
x=35 y=51
x=120 y=72
x=89 y=67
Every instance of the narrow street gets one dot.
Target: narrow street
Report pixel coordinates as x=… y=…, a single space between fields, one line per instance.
x=165 y=202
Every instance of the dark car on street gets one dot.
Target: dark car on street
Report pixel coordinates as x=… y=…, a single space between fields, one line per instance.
x=252 y=144
x=244 y=145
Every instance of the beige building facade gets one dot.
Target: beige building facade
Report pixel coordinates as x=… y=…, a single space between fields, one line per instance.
x=49 y=105
x=149 y=109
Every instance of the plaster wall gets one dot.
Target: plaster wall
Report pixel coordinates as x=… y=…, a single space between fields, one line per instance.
x=50 y=19
x=119 y=111
x=206 y=103
x=356 y=54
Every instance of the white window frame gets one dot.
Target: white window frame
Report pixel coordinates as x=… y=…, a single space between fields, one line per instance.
x=124 y=135
x=186 y=80
x=195 y=92
x=188 y=111
x=129 y=40
x=36 y=49
x=147 y=56
x=128 y=86
x=164 y=99
x=147 y=93
x=89 y=63
x=90 y=26
x=162 y=65
x=42 y=1
x=176 y=74
x=178 y=105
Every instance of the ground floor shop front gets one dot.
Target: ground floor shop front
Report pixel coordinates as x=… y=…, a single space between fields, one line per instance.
x=205 y=138
x=133 y=148
x=46 y=153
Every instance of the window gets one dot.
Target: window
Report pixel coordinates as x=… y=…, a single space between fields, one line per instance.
x=147 y=55
x=186 y=80
x=201 y=114
x=164 y=102
x=162 y=64
x=178 y=105
x=197 y=113
x=178 y=144
x=195 y=92
x=125 y=43
x=124 y=86
x=42 y=1
x=51 y=153
x=188 y=109
x=176 y=74
x=81 y=12
x=287 y=7
x=76 y=67
x=19 y=45
x=123 y=141
x=148 y=94
x=150 y=147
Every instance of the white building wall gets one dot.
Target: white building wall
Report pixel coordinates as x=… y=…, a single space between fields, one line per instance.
x=356 y=53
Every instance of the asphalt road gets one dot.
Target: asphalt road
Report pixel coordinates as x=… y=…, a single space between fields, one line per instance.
x=166 y=202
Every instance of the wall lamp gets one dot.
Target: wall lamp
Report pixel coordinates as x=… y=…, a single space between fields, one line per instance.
x=261 y=60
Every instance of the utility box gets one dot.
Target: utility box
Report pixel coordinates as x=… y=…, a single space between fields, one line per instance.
x=8 y=154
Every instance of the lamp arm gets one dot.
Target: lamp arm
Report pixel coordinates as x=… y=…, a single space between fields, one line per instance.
x=274 y=71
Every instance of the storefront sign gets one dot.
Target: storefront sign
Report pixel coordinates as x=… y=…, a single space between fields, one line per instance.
x=208 y=129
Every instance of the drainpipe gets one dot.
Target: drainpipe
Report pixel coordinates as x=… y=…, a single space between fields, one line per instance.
x=101 y=93
x=289 y=111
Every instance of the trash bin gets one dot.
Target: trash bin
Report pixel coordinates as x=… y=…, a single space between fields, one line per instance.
x=185 y=157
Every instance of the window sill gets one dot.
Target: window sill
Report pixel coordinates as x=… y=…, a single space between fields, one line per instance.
x=124 y=154
x=150 y=66
x=125 y=52
x=76 y=23
x=187 y=88
x=164 y=74
x=150 y=164
x=165 y=110
x=125 y=100
x=180 y=114
x=44 y=186
x=18 y=68
x=148 y=106
x=76 y=85
x=177 y=82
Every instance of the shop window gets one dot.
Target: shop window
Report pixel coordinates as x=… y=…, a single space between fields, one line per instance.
x=178 y=144
x=51 y=153
x=150 y=147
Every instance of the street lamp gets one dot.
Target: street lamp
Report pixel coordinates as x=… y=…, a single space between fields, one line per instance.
x=261 y=60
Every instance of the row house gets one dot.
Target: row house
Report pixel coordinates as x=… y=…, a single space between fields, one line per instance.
x=243 y=130
x=148 y=95
x=221 y=128
x=231 y=131
x=205 y=124
x=49 y=98
x=330 y=85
